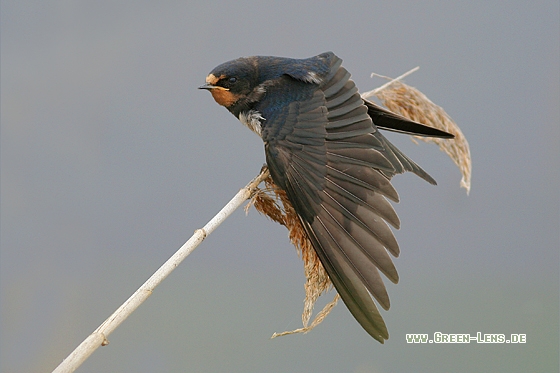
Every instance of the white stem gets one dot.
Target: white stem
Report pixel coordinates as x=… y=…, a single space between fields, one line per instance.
x=374 y=91
x=99 y=336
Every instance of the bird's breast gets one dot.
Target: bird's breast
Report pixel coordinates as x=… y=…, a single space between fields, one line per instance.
x=253 y=120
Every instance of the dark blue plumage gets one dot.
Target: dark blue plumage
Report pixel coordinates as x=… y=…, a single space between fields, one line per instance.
x=324 y=149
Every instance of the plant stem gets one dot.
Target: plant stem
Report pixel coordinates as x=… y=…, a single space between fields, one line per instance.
x=99 y=336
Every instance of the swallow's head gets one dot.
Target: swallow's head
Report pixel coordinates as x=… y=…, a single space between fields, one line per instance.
x=233 y=82
x=240 y=83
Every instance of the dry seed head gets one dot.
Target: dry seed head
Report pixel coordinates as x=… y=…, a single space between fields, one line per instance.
x=414 y=105
x=273 y=202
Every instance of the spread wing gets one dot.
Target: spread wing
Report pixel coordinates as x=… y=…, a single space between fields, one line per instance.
x=323 y=150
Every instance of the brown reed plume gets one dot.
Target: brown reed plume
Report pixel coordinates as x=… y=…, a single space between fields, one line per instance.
x=273 y=202
x=413 y=104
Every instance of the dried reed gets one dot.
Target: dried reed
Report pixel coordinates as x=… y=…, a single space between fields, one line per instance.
x=413 y=104
x=273 y=202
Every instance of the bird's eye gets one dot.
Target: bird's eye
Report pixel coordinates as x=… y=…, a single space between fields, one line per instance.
x=232 y=80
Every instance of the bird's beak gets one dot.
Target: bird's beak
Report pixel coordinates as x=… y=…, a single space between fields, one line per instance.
x=207 y=86
x=210 y=87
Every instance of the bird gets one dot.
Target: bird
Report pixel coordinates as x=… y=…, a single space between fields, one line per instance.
x=323 y=148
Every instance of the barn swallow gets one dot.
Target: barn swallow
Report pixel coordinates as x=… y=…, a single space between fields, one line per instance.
x=324 y=149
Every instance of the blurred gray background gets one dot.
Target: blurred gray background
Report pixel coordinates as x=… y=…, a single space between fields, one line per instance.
x=111 y=158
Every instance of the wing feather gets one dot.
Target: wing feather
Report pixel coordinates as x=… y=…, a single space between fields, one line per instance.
x=323 y=149
x=363 y=265
x=364 y=157
x=346 y=281
x=366 y=198
x=370 y=221
x=364 y=177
